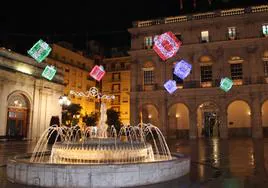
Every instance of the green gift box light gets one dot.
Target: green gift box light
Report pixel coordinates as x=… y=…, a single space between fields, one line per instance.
x=49 y=72
x=226 y=84
x=39 y=51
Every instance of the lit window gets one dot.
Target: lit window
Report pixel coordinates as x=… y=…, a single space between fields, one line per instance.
x=148 y=77
x=265 y=29
x=116 y=88
x=204 y=36
x=265 y=68
x=116 y=76
x=232 y=33
x=148 y=42
x=116 y=99
x=236 y=71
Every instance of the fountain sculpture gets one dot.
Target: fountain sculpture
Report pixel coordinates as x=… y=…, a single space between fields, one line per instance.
x=99 y=157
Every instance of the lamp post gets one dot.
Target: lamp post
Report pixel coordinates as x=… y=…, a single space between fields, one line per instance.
x=64 y=102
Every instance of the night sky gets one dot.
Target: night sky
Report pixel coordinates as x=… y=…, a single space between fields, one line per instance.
x=23 y=22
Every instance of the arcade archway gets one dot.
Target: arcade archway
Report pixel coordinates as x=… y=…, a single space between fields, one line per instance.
x=239 y=116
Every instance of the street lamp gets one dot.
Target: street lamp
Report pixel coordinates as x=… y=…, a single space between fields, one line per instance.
x=64 y=101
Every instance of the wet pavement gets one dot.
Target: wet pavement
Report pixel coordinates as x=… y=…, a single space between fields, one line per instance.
x=232 y=163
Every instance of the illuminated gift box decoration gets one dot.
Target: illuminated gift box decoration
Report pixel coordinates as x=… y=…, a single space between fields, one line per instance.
x=97 y=72
x=182 y=69
x=166 y=45
x=226 y=84
x=39 y=51
x=49 y=72
x=170 y=86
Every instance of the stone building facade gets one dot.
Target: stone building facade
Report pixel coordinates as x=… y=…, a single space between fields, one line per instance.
x=76 y=68
x=27 y=101
x=117 y=82
x=225 y=43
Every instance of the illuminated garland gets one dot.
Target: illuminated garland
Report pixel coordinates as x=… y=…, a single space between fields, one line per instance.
x=92 y=92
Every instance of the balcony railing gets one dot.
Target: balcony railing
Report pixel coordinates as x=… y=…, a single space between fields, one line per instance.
x=116 y=79
x=197 y=84
x=207 y=15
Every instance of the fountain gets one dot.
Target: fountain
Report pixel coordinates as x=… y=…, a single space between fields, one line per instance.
x=98 y=157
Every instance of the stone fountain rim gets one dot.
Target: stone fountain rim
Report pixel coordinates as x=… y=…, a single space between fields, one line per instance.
x=18 y=159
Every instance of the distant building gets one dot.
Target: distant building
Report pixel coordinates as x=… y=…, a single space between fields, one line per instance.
x=28 y=101
x=225 y=43
x=76 y=70
x=117 y=82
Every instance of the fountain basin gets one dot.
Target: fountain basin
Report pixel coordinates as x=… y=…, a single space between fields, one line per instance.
x=20 y=170
x=104 y=151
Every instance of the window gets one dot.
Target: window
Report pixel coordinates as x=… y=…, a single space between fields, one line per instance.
x=148 y=42
x=265 y=29
x=179 y=36
x=117 y=109
x=148 y=77
x=178 y=80
x=116 y=99
x=204 y=36
x=265 y=68
x=206 y=73
x=125 y=99
x=236 y=71
x=116 y=87
x=232 y=33
x=116 y=76
x=122 y=65
x=112 y=66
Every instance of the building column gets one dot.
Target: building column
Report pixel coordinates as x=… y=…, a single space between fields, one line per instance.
x=256 y=119
x=163 y=117
x=134 y=110
x=3 y=109
x=193 y=124
x=223 y=128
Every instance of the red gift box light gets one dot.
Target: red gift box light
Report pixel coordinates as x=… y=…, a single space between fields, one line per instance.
x=97 y=72
x=166 y=45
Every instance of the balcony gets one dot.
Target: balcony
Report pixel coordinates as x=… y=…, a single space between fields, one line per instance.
x=115 y=90
x=116 y=79
x=197 y=84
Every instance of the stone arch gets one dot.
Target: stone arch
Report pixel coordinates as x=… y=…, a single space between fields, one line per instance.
x=264 y=112
x=206 y=59
x=27 y=95
x=148 y=64
x=178 y=120
x=18 y=114
x=208 y=113
x=239 y=118
x=150 y=114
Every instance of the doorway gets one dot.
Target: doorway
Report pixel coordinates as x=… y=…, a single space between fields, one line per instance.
x=210 y=124
x=17 y=123
x=17 y=117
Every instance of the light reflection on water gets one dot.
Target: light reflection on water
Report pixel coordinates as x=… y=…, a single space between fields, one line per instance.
x=238 y=163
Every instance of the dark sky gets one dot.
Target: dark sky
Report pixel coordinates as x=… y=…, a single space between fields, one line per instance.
x=75 y=21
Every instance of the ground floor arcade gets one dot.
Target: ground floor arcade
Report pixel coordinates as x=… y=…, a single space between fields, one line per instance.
x=199 y=113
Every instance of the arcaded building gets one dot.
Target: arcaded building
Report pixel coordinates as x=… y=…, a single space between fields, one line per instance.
x=27 y=100
x=225 y=43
